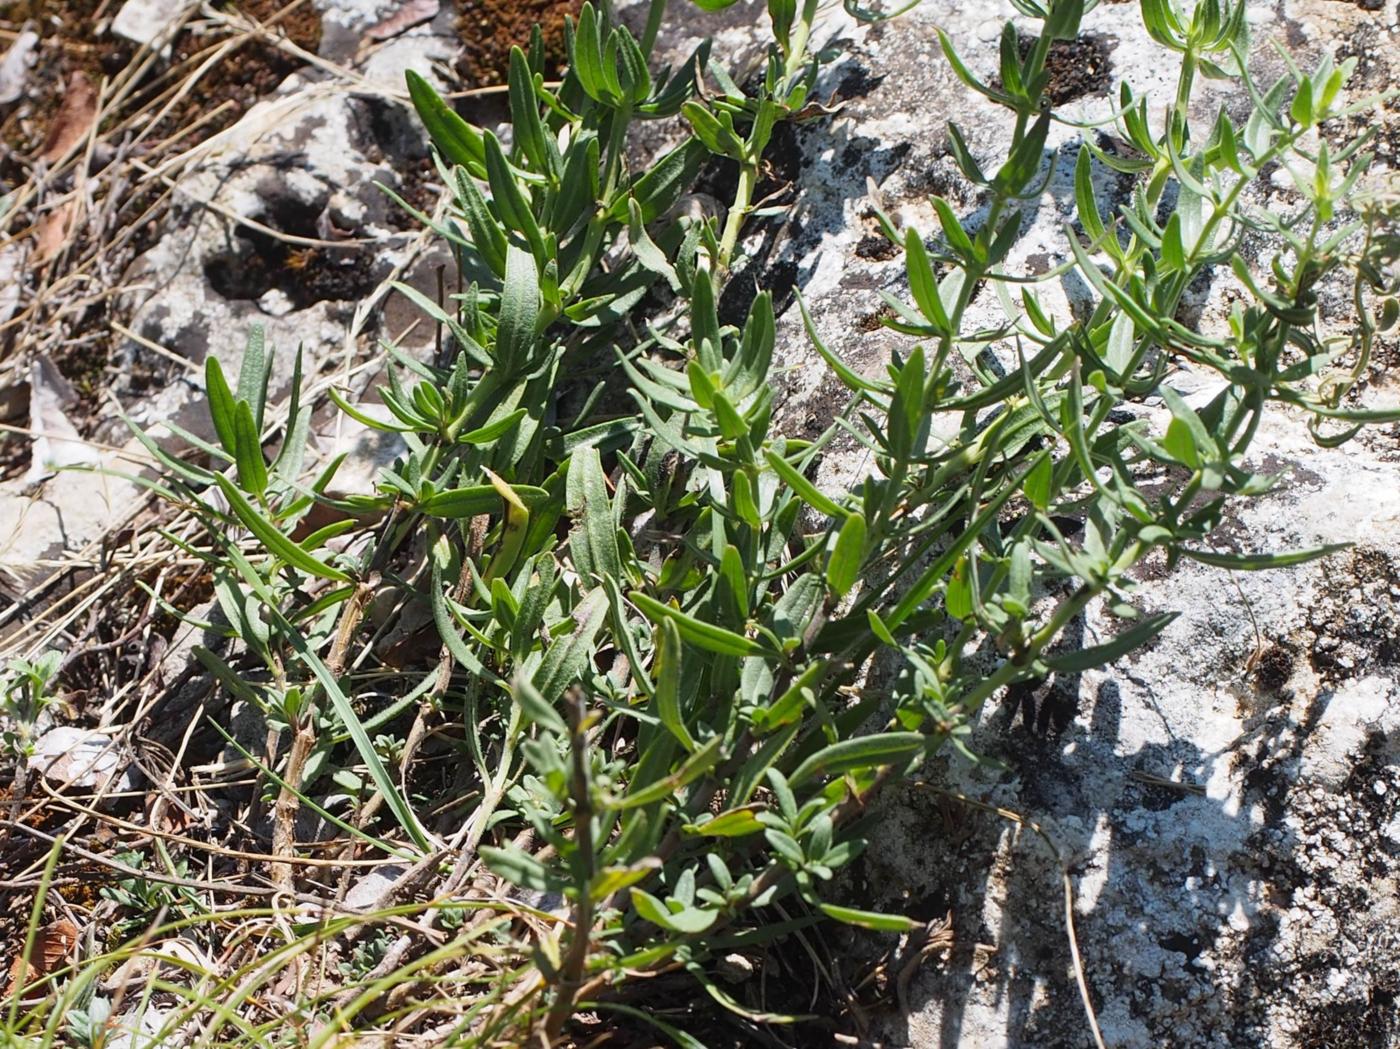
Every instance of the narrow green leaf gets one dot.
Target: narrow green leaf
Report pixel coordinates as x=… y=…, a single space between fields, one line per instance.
x=850 y=379
x=397 y=803
x=510 y=200
x=658 y=189
x=702 y=386
x=475 y=499
x=614 y=879
x=702 y=635
x=487 y=236
x=744 y=502
x=253 y=374
x=593 y=540
x=587 y=57
x=873 y=920
x=731 y=571
x=922 y=283
x=1173 y=251
x=695 y=766
x=528 y=129
x=248 y=453
x=646 y=250
x=806 y=490
x=862 y=752
x=492 y=431
x=717 y=137
x=1085 y=201
x=455 y=139
x=666 y=672
x=1180 y=445
x=520 y=307
x=953 y=232
x=1100 y=655
x=537 y=709
x=1038 y=482
x=681 y=1038
x=272 y=538
x=221 y=404
x=964 y=74
x=879 y=629
x=1203 y=448
x=736 y=823
x=1302 y=108
x=1258 y=562
x=788 y=707
x=570 y=657
x=843 y=568
x=288 y=463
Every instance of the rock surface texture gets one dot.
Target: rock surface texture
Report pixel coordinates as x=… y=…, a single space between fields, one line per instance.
x=1224 y=802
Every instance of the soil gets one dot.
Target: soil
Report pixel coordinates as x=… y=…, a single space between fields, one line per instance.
x=1077 y=67
x=489 y=28
x=261 y=262
x=1273 y=668
x=1352 y=623
x=252 y=71
x=68 y=44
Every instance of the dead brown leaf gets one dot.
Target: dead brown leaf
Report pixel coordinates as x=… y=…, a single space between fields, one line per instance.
x=409 y=14
x=51 y=945
x=52 y=230
x=74 y=118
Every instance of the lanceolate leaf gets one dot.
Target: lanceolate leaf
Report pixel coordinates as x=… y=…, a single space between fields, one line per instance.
x=221 y=404
x=1099 y=655
x=271 y=536
x=510 y=200
x=253 y=374
x=1257 y=562
x=248 y=453
x=474 y=500
x=520 y=306
x=456 y=140
x=666 y=672
x=702 y=635
x=861 y=752
x=843 y=568
x=873 y=920
x=809 y=492
x=398 y=805
x=663 y=184
x=570 y=657
x=695 y=766
x=594 y=537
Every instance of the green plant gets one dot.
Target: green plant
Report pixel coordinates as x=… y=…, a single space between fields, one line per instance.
x=25 y=692
x=144 y=900
x=365 y=955
x=87 y=1026
x=655 y=628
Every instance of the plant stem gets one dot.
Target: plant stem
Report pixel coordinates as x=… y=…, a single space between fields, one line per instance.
x=289 y=799
x=734 y=222
x=575 y=962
